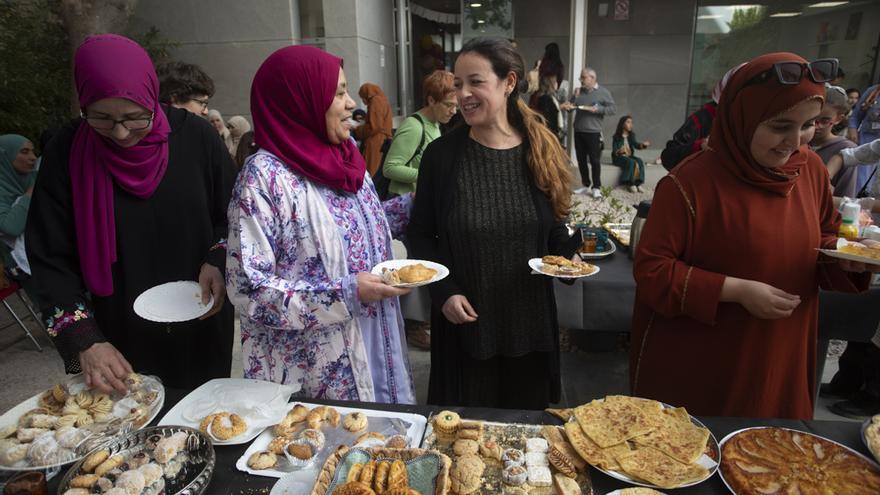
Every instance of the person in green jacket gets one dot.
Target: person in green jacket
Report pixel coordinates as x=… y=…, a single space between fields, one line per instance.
x=401 y=166
x=17 y=176
x=623 y=155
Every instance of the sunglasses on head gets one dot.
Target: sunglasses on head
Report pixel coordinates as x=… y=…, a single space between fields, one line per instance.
x=790 y=73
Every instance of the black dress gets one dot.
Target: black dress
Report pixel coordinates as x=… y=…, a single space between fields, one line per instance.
x=164 y=238
x=479 y=212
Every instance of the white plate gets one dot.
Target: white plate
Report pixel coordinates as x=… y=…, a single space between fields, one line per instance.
x=172 y=302
x=77 y=382
x=865 y=426
x=538 y=266
x=848 y=256
x=586 y=256
x=732 y=434
x=295 y=478
x=442 y=271
x=617 y=492
x=260 y=403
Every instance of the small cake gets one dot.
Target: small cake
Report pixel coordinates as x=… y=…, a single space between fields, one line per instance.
x=465 y=447
x=262 y=460
x=514 y=475
x=536 y=459
x=540 y=476
x=490 y=450
x=302 y=451
x=355 y=422
x=397 y=442
x=447 y=422
x=513 y=457
x=537 y=445
x=315 y=437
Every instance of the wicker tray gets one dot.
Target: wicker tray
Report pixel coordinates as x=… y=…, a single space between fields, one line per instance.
x=337 y=465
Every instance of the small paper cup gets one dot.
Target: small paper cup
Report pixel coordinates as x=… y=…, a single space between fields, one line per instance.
x=296 y=462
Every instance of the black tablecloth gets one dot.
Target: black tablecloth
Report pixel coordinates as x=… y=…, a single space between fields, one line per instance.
x=229 y=480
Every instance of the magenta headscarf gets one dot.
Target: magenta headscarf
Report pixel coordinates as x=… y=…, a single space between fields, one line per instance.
x=290 y=96
x=111 y=66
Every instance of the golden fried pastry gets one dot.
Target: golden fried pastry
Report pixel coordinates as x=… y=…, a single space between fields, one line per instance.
x=355 y=422
x=367 y=473
x=94 y=460
x=368 y=435
x=380 y=480
x=447 y=422
x=221 y=431
x=262 y=460
x=390 y=276
x=297 y=414
x=354 y=472
x=83 y=481
x=284 y=430
x=556 y=261
x=397 y=476
x=418 y=272
x=332 y=416
x=316 y=417
x=561 y=461
x=109 y=465
x=353 y=488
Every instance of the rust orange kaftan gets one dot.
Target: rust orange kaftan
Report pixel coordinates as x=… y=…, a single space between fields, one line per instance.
x=689 y=349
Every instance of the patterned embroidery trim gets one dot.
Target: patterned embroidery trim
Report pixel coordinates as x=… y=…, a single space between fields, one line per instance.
x=684 y=195
x=642 y=351
x=62 y=319
x=221 y=244
x=687 y=278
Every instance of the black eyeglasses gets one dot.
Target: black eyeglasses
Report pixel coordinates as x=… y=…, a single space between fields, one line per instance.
x=203 y=103
x=791 y=73
x=105 y=124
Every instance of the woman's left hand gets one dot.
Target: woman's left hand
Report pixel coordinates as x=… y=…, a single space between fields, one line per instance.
x=858 y=266
x=212 y=283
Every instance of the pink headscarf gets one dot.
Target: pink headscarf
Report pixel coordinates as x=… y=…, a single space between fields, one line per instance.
x=290 y=96
x=719 y=87
x=111 y=66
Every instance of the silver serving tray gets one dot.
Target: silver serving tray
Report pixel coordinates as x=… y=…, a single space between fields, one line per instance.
x=199 y=447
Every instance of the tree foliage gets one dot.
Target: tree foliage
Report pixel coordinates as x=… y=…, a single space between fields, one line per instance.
x=746 y=18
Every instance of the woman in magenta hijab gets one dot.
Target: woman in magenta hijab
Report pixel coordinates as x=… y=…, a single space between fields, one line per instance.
x=305 y=228
x=129 y=196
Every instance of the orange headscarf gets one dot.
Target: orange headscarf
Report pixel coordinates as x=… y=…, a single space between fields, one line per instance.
x=743 y=107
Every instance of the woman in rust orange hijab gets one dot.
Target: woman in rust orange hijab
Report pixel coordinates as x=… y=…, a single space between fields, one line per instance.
x=727 y=270
x=377 y=127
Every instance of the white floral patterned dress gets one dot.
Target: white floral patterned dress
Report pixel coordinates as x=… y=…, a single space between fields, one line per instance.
x=294 y=250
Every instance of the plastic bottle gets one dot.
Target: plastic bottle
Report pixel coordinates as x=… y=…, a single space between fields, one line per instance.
x=849 y=228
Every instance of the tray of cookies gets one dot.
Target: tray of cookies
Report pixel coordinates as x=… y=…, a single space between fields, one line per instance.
x=152 y=461
x=57 y=426
x=231 y=411
x=308 y=434
x=383 y=471
x=489 y=457
x=643 y=442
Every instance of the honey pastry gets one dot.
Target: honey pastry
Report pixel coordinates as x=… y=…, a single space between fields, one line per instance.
x=397 y=476
x=367 y=473
x=380 y=480
x=354 y=472
x=353 y=488
x=418 y=272
x=447 y=422
x=94 y=460
x=355 y=421
x=262 y=460
x=108 y=465
x=84 y=481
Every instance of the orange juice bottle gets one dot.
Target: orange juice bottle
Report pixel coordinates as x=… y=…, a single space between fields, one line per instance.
x=849 y=227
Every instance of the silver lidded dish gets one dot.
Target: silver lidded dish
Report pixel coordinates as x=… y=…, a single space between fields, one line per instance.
x=194 y=474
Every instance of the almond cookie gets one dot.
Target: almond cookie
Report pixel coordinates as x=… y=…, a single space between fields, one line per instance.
x=353 y=488
x=561 y=462
x=465 y=447
x=262 y=460
x=355 y=422
x=466 y=474
x=276 y=446
x=94 y=460
x=221 y=430
x=447 y=422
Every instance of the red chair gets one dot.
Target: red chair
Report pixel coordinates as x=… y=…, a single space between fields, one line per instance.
x=13 y=289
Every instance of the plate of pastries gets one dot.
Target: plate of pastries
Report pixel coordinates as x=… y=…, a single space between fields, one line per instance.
x=410 y=273
x=561 y=267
